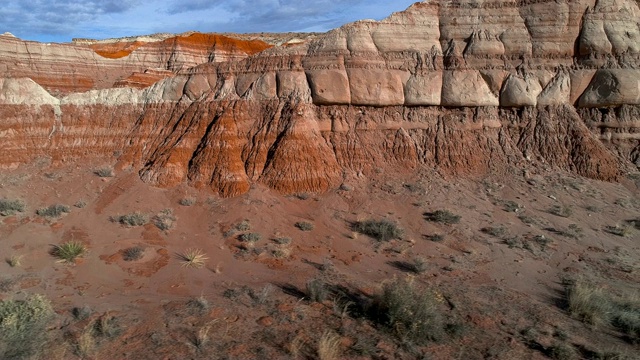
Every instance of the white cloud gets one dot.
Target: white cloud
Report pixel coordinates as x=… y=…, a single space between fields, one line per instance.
x=60 y=20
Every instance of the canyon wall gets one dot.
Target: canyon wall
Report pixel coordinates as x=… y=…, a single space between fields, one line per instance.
x=465 y=87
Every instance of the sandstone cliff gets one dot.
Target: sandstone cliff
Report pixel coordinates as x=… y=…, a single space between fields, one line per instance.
x=465 y=87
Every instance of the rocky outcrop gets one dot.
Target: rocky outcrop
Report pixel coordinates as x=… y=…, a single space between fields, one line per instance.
x=467 y=87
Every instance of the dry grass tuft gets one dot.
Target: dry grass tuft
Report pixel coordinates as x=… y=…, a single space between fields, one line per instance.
x=195 y=258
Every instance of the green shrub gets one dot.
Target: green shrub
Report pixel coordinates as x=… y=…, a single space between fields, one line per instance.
x=69 y=251
x=10 y=207
x=443 y=217
x=23 y=326
x=304 y=225
x=53 y=211
x=412 y=313
x=133 y=219
x=381 y=230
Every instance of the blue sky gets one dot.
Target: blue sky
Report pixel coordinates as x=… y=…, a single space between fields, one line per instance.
x=61 y=20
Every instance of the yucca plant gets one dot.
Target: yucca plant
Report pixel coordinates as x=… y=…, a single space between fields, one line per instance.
x=69 y=251
x=193 y=258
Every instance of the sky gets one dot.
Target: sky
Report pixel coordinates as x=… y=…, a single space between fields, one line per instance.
x=62 y=20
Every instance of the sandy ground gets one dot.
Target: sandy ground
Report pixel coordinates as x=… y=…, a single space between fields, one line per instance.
x=499 y=286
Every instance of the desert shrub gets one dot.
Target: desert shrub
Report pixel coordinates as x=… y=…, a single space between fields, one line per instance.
x=133 y=253
x=23 y=326
x=199 y=305
x=561 y=210
x=68 y=251
x=561 y=351
x=107 y=326
x=10 y=207
x=381 y=230
x=494 y=231
x=418 y=265
x=304 y=225
x=282 y=240
x=244 y=225
x=250 y=237
x=412 y=313
x=80 y=204
x=511 y=206
x=53 y=211
x=81 y=313
x=164 y=220
x=619 y=230
x=133 y=219
x=104 y=172
x=317 y=290
x=443 y=217
x=435 y=237
x=189 y=201
x=14 y=260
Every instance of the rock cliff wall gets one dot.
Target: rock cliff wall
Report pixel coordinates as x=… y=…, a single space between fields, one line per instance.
x=466 y=87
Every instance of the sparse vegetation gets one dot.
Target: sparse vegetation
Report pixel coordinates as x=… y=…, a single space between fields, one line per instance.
x=443 y=217
x=304 y=225
x=132 y=253
x=23 y=326
x=14 y=260
x=188 y=201
x=104 y=172
x=81 y=313
x=381 y=230
x=619 y=230
x=595 y=306
x=302 y=196
x=329 y=346
x=244 y=225
x=413 y=314
x=165 y=220
x=69 y=251
x=199 y=305
x=80 y=204
x=107 y=326
x=511 y=206
x=282 y=240
x=418 y=265
x=133 y=219
x=561 y=210
x=250 y=237
x=53 y=211
x=498 y=231
x=435 y=237
x=195 y=258
x=317 y=290
x=11 y=207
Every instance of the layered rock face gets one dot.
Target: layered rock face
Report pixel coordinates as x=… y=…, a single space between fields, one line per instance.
x=466 y=87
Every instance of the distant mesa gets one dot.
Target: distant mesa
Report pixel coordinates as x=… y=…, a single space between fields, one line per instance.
x=465 y=88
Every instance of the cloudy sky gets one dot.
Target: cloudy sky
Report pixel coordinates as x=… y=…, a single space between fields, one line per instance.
x=62 y=20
